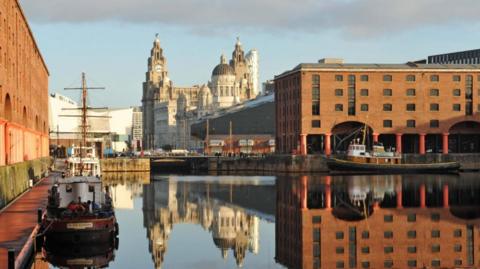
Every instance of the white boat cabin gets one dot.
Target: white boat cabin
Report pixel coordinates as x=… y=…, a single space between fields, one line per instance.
x=83 y=162
x=358 y=153
x=81 y=190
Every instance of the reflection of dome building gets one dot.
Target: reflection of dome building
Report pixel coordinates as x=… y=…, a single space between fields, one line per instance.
x=168 y=203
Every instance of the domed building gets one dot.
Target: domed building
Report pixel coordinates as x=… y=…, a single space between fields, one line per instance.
x=169 y=110
x=224 y=86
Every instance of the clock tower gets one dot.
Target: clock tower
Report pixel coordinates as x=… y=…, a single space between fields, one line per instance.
x=157 y=87
x=157 y=64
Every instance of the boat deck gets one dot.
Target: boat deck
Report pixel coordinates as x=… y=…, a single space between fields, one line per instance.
x=19 y=220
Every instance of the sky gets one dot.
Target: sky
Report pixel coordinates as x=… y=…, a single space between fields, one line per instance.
x=110 y=40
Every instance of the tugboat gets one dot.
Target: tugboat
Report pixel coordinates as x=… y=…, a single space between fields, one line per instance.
x=79 y=208
x=378 y=160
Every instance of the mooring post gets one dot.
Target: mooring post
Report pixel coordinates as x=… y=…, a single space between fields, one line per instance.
x=11 y=258
x=39 y=215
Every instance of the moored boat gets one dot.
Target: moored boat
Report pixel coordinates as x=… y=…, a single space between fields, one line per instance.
x=358 y=159
x=79 y=212
x=79 y=208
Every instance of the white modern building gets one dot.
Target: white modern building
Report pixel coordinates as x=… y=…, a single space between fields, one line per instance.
x=108 y=129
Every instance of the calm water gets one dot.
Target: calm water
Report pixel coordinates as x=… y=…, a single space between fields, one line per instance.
x=414 y=221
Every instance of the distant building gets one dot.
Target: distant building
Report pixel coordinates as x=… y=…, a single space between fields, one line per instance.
x=251 y=122
x=109 y=129
x=410 y=108
x=137 y=129
x=23 y=89
x=461 y=57
x=268 y=87
x=168 y=110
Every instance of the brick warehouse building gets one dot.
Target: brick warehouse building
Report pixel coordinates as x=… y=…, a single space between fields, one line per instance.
x=23 y=89
x=410 y=108
x=377 y=222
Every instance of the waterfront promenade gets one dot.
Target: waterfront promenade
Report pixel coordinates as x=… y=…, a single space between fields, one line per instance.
x=19 y=220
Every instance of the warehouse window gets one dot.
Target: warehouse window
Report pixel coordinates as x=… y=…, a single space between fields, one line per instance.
x=364 y=107
x=387 y=123
x=410 y=107
x=338 y=92
x=434 y=123
x=434 y=92
x=387 y=107
x=411 y=123
x=457 y=107
x=315 y=123
x=387 y=78
x=410 y=78
x=456 y=78
x=364 y=77
x=338 y=107
x=457 y=92
x=338 y=77
x=410 y=92
x=434 y=107
x=434 y=78
x=387 y=92
x=364 y=92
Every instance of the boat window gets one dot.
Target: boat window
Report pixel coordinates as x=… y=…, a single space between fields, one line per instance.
x=91 y=188
x=68 y=188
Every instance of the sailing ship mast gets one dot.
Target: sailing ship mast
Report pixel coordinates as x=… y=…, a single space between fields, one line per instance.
x=84 y=124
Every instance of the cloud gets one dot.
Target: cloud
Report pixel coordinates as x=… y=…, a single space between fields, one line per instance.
x=351 y=17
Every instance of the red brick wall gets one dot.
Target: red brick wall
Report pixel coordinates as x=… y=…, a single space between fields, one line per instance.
x=23 y=88
x=295 y=118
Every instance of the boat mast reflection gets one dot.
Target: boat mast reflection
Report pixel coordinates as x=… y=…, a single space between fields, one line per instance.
x=411 y=221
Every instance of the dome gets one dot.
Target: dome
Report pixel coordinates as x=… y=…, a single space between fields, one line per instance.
x=223 y=68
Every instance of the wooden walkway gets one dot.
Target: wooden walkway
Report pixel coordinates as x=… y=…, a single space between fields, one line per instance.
x=18 y=221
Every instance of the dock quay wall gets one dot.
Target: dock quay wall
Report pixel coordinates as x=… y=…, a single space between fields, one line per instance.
x=125 y=165
x=14 y=179
x=318 y=164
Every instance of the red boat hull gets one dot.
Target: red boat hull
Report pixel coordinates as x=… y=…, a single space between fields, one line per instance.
x=80 y=230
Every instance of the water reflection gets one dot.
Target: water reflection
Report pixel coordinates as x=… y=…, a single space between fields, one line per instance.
x=80 y=256
x=167 y=203
x=414 y=221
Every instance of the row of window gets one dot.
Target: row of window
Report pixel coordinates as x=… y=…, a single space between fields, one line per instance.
x=409 y=107
x=409 y=92
x=389 y=263
x=389 y=234
x=435 y=248
x=389 y=78
x=388 y=123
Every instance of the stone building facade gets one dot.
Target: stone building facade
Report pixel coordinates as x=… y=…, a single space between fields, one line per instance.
x=169 y=110
x=23 y=89
x=410 y=108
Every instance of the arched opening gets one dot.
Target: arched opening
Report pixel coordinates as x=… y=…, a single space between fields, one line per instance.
x=464 y=137
x=7 y=109
x=346 y=132
x=24 y=117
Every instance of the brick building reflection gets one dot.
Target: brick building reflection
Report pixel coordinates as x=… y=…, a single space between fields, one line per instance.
x=166 y=203
x=417 y=221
